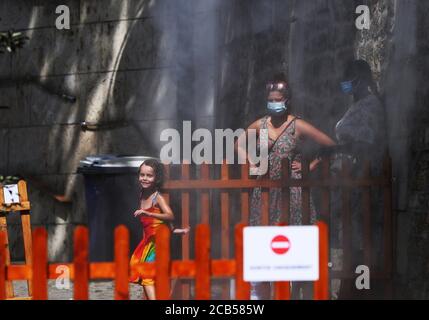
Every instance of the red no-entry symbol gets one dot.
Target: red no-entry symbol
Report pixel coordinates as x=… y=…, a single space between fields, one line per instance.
x=280 y=244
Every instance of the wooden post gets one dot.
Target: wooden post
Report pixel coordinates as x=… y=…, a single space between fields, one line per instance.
x=224 y=199
x=40 y=264
x=167 y=175
x=245 y=195
x=325 y=215
x=122 y=249
x=321 y=287
x=3 y=228
x=81 y=265
x=3 y=251
x=224 y=205
x=23 y=207
x=242 y=288
x=185 y=288
x=26 y=229
x=205 y=173
x=202 y=261
x=162 y=263
x=282 y=290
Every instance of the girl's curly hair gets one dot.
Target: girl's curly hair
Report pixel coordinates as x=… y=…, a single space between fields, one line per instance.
x=158 y=170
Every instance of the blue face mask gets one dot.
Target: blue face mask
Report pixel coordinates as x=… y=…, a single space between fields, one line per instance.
x=347 y=87
x=276 y=108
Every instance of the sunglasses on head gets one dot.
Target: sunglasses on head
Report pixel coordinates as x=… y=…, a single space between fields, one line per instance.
x=276 y=86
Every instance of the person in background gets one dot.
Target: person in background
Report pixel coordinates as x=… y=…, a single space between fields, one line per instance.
x=361 y=130
x=361 y=134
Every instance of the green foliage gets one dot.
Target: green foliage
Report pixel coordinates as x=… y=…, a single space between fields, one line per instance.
x=10 y=41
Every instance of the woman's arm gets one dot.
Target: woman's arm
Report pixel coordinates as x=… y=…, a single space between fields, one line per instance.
x=304 y=129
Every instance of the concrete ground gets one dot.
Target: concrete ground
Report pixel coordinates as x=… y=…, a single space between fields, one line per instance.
x=104 y=290
x=98 y=290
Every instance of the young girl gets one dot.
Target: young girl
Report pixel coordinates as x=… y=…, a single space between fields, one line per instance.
x=153 y=212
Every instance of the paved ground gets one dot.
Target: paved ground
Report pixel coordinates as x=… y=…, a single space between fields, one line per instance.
x=104 y=290
x=98 y=290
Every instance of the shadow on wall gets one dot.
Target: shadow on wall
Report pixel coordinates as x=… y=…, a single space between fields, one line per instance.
x=107 y=60
x=84 y=62
x=308 y=40
x=253 y=40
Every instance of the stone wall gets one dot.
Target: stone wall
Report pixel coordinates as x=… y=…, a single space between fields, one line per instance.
x=129 y=66
x=143 y=66
x=417 y=213
x=397 y=48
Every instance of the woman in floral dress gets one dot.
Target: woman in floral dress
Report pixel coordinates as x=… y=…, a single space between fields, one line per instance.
x=285 y=133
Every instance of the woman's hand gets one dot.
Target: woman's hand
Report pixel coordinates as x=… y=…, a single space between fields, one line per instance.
x=296 y=166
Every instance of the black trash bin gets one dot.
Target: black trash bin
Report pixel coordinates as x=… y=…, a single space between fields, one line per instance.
x=111 y=190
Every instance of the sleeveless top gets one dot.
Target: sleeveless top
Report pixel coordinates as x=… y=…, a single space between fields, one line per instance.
x=284 y=147
x=150 y=222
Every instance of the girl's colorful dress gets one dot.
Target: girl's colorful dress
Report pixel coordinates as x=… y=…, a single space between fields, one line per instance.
x=145 y=251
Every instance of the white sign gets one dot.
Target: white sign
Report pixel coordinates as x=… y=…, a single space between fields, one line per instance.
x=11 y=194
x=281 y=253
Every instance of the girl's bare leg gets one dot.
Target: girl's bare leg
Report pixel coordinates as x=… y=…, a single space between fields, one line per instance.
x=149 y=292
